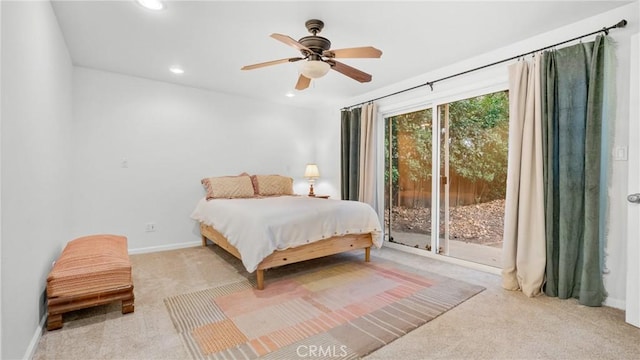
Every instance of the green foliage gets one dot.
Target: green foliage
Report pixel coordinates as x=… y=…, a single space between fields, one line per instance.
x=410 y=152
x=391 y=132
x=478 y=135
x=478 y=142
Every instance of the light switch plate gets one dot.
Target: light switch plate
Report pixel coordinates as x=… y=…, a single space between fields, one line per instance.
x=620 y=153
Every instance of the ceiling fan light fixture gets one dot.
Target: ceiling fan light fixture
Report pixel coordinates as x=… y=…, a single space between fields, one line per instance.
x=314 y=69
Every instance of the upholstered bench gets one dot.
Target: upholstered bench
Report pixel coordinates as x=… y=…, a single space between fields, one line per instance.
x=92 y=270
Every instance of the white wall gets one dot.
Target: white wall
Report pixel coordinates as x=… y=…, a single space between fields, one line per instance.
x=35 y=150
x=329 y=134
x=171 y=137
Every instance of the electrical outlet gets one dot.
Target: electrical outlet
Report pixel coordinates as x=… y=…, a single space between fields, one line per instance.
x=150 y=227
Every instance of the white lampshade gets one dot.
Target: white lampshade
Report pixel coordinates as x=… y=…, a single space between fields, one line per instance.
x=314 y=69
x=311 y=172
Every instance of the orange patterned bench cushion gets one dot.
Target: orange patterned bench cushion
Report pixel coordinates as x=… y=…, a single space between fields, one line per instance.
x=91 y=264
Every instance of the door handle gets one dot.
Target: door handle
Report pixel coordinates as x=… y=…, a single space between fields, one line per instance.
x=634 y=198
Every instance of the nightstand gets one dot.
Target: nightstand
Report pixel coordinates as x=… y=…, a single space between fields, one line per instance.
x=321 y=196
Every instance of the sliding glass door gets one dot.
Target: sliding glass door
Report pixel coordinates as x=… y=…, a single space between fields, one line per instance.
x=408 y=177
x=468 y=157
x=473 y=169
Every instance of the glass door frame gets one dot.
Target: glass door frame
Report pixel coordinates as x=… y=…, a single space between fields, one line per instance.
x=404 y=109
x=382 y=116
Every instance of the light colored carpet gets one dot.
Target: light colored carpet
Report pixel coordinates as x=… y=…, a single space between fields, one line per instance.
x=346 y=310
x=495 y=324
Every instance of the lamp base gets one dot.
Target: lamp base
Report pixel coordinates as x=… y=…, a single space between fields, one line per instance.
x=311 y=193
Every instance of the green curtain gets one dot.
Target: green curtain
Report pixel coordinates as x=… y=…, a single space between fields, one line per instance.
x=575 y=118
x=350 y=154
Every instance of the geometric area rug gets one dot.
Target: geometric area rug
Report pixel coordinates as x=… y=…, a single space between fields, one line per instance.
x=340 y=311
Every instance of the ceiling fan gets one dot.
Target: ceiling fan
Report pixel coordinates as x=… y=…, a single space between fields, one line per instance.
x=316 y=50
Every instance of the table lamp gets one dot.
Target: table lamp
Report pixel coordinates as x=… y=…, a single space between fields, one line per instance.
x=311 y=173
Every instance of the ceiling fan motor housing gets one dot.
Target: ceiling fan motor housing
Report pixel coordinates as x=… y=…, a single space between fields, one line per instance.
x=317 y=44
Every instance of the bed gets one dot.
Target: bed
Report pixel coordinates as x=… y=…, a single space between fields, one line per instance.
x=266 y=232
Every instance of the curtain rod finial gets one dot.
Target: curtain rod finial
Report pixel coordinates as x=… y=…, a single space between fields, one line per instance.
x=622 y=23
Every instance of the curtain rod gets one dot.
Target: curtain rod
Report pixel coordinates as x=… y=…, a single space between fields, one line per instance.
x=622 y=23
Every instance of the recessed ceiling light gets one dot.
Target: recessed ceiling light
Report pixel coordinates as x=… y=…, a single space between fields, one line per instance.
x=151 y=4
x=176 y=70
x=289 y=94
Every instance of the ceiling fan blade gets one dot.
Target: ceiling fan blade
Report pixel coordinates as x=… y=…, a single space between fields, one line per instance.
x=291 y=42
x=303 y=82
x=357 y=52
x=269 y=63
x=349 y=71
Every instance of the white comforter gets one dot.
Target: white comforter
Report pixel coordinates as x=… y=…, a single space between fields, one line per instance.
x=258 y=227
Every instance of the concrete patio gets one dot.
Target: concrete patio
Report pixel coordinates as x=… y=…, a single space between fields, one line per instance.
x=483 y=254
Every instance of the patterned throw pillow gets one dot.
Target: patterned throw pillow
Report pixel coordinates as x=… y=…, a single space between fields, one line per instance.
x=270 y=185
x=228 y=187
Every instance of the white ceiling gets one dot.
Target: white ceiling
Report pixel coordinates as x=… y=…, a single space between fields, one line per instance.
x=211 y=40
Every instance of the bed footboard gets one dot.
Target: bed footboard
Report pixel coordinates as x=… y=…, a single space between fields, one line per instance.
x=330 y=246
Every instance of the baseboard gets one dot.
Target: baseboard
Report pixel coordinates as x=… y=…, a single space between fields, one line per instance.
x=152 y=249
x=615 y=303
x=33 y=345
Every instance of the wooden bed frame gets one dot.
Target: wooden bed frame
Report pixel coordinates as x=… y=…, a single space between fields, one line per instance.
x=330 y=246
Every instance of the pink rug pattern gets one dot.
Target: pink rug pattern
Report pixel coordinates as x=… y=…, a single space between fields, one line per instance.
x=341 y=311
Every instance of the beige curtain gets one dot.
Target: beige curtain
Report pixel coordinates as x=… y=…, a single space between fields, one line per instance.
x=524 y=249
x=367 y=183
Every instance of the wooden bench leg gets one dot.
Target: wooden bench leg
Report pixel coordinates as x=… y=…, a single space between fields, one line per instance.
x=54 y=322
x=260 y=279
x=367 y=254
x=204 y=240
x=127 y=305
